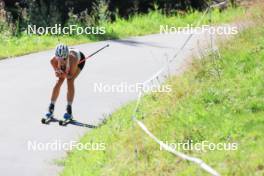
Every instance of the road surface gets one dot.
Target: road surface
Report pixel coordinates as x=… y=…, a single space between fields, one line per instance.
x=26 y=85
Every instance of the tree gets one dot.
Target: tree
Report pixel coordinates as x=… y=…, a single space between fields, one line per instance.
x=46 y=13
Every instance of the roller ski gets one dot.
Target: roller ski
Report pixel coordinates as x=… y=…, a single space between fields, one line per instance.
x=69 y=120
x=67 y=117
x=49 y=116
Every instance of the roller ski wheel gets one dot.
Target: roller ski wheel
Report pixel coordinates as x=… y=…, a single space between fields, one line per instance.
x=67 y=119
x=48 y=119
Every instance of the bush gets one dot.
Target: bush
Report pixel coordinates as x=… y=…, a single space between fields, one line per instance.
x=47 y=13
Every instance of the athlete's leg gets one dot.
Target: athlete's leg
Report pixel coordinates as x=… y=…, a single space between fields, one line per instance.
x=54 y=96
x=56 y=89
x=77 y=73
x=71 y=88
x=71 y=91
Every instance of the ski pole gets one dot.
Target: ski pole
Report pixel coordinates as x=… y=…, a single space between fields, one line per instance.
x=91 y=55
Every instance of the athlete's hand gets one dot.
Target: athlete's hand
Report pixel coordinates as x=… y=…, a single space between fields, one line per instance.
x=60 y=74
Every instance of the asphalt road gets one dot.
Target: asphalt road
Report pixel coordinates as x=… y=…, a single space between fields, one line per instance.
x=26 y=83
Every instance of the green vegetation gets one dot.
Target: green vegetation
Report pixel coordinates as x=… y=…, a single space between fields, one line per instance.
x=137 y=25
x=201 y=107
x=150 y=23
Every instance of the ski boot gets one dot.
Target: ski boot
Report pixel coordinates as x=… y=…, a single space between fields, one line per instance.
x=67 y=116
x=49 y=115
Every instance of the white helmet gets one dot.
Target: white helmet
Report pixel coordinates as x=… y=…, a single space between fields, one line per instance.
x=62 y=51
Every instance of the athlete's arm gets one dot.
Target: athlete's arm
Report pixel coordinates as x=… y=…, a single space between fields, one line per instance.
x=54 y=63
x=58 y=71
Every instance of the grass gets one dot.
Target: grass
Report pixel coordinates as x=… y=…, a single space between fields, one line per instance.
x=150 y=23
x=201 y=107
x=11 y=46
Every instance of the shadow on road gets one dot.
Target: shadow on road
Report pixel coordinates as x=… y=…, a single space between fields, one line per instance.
x=80 y=124
x=136 y=43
